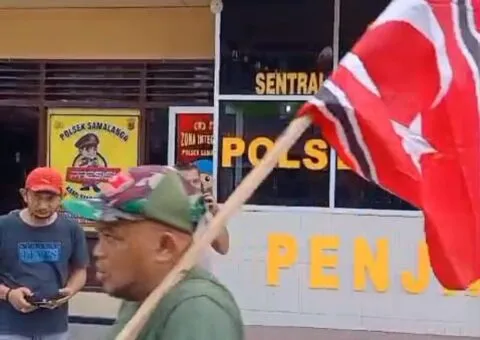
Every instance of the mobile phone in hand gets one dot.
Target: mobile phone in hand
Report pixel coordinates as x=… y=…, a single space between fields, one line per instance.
x=38 y=302
x=45 y=302
x=56 y=297
x=205 y=190
x=208 y=198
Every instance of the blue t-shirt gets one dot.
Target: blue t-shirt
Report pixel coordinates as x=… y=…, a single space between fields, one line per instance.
x=39 y=258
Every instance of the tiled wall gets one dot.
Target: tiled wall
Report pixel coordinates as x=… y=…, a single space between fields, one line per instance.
x=293 y=303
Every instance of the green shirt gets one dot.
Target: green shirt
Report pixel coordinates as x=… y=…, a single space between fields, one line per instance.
x=197 y=308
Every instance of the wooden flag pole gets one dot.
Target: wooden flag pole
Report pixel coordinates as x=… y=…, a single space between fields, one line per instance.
x=241 y=194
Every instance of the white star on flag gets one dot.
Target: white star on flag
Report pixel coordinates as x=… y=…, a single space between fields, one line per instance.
x=412 y=140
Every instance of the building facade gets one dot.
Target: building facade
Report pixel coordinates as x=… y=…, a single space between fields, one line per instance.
x=316 y=246
x=98 y=60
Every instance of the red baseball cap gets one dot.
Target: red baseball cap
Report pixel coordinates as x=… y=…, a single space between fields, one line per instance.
x=45 y=179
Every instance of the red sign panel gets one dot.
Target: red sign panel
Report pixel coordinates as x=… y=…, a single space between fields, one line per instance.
x=194 y=137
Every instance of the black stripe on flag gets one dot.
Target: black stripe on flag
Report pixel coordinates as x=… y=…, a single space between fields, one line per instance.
x=338 y=111
x=471 y=42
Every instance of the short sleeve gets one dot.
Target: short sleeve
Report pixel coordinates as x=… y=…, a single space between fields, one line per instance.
x=2 y=218
x=1 y=231
x=79 y=258
x=201 y=318
x=5 y=220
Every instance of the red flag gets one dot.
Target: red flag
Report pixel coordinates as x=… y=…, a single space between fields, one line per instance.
x=402 y=110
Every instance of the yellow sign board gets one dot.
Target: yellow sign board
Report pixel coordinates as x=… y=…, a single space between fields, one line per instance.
x=315 y=154
x=90 y=145
x=288 y=83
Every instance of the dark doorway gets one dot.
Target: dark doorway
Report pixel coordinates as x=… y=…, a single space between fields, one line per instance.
x=18 y=152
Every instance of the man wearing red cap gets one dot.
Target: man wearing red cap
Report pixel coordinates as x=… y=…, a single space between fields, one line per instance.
x=43 y=260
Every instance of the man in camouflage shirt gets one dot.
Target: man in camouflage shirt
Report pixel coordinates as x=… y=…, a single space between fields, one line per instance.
x=145 y=219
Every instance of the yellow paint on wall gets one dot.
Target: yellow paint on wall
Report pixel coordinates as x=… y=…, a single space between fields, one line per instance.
x=285 y=254
x=418 y=283
x=372 y=269
x=107 y=33
x=323 y=256
x=371 y=264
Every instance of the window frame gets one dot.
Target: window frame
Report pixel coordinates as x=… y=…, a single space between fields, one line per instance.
x=331 y=209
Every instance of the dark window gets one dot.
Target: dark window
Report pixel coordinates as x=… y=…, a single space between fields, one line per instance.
x=157 y=140
x=274 y=47
x=18 y=152
x=355 y=16
x=247 y=129
x=351 y=191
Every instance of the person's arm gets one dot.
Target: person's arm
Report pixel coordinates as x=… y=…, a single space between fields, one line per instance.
x=3 y=288
x=78 y=261
x=17 y=298
x=222 y=243
x=201 y=318
x=78 y=266
x=76 y=281
x=3 y=291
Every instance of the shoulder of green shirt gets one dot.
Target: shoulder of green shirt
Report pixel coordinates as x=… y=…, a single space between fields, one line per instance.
x=198 y=305
x=202 y=318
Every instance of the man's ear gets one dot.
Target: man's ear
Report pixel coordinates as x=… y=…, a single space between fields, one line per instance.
x=166 y=247
x=170 y=245
x=23 y=193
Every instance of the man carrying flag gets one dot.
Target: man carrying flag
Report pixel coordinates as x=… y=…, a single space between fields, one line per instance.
x=402 y=110
x=146 y=218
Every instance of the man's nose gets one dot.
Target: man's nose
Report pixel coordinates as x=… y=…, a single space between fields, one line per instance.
x=98 y=250
x=42 y=205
